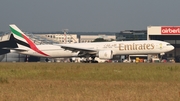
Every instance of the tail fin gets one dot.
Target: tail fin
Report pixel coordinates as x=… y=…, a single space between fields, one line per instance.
x=22 y=40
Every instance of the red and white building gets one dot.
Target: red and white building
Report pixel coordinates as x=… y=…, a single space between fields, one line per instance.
x=169 y=34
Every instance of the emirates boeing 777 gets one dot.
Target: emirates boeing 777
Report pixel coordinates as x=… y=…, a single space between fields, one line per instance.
x=102 y=50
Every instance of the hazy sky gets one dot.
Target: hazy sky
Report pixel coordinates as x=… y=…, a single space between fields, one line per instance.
x=87 y=15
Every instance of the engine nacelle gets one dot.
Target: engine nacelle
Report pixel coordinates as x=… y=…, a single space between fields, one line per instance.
x=105 y=54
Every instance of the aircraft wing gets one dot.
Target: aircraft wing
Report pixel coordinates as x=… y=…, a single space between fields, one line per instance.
x=76 y=49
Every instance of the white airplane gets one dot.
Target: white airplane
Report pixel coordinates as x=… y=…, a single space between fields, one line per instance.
x=102 y=50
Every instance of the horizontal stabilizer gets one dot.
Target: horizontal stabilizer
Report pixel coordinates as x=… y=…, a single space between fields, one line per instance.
x=4 y=51
x=16 y=49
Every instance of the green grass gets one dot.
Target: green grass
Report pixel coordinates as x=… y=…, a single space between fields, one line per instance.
x=90 y=82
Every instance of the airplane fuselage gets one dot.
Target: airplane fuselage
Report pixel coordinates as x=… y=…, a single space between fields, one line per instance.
x=117 y=48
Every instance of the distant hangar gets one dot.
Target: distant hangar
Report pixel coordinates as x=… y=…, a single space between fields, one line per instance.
x=169 y=34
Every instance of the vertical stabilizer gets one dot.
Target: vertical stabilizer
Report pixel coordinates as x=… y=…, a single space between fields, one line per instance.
x=23 y=40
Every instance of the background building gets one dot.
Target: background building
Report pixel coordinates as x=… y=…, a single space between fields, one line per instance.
x=131 y=35
x=169 y=34
x=61 y=38
x=91 y=38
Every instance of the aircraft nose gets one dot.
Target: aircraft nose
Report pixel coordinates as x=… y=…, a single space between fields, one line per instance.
x=171 y=47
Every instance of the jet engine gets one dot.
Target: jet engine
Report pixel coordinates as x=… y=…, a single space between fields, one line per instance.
x=105 y=54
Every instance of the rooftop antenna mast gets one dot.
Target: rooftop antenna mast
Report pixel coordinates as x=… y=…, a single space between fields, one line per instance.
x=65 y=36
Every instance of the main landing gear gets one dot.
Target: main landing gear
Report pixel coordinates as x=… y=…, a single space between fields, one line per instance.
x=89 y=60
